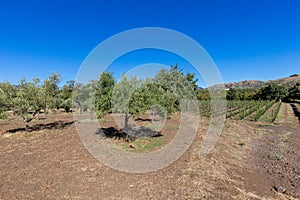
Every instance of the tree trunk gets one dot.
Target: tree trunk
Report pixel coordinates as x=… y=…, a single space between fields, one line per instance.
x=127 y=136
x=26 y=122
x=38 y=115
x=126 y=123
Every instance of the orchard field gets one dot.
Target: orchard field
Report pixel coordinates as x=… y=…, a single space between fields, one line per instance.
x=256 y=157
x=43 y=157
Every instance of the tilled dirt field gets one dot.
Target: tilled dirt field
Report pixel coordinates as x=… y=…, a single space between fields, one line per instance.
x=250 y=161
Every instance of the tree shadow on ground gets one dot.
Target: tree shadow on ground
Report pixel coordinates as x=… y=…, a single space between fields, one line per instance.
x=111 y=132
x=47 y=126
x=296 y=111
x=131 y=135
x=142 y=120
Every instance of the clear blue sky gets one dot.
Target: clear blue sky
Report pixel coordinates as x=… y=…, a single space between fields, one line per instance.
x=246 y=39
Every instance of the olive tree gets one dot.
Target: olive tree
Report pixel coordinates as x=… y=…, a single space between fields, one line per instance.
x=66 y=96
x=50 y=92
x=27 y=100
x=128 y=99
x=173 y=87
x=104 y=89
x=83 y=96
x=7 y=98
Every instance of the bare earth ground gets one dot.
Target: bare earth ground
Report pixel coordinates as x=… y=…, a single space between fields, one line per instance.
x=250 y=161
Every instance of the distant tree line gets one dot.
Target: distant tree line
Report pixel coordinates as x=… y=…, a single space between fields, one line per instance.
x=272 y=91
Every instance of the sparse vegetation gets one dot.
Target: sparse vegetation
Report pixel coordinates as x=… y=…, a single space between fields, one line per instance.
x=284 y=137
x=142 y=144
x=102 y=120
x=276 y=156
x=28 y=135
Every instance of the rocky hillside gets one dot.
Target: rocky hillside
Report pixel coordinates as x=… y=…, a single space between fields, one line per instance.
x=288 y=81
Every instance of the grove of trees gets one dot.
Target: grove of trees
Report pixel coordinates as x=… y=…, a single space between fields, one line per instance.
x=271 y=91
x=129 y=96
x=29 y=98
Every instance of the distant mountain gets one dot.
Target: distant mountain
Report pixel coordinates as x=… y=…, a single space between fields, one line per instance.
x=245 y=84
x=200 y=88
x=288 y=81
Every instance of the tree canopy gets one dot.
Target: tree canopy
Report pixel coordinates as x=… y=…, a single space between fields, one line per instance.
x=29 y=98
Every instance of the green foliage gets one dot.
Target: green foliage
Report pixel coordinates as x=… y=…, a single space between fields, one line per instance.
x=83 y=96
x=284 y=137
x=203 y=95
x=172 y=87
x=252 y=110
x=66 y=96
x=142 y=98
x=158 y=94
x=7 y=98
x=275 y=113
x=122 y=95
x=232 y=94
x=241 y=94
x=272 y=92
x=247 y=108
x=294 y=92
x=27 y=97
x=50 y=92
x=167 y=90
x=276 y=156
x=78 y=96
x=3 y=115
x=27 y=100
x=104 y=89
x=142 y=144
x=261 y=110
x=125 y=92
x=205 y=108
x=191 y=79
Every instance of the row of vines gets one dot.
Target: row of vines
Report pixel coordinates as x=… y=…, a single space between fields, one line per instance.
x=265 y=111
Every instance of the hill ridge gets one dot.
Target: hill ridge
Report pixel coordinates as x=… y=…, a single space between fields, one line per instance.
x=287 y=81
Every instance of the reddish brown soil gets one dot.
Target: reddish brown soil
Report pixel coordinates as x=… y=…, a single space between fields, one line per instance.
x=50 y=162
x=278 y=157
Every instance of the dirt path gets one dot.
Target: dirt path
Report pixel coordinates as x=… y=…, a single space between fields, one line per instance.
x=286 y=115
x=278 y=152
x=52 y=163
x=277 y=155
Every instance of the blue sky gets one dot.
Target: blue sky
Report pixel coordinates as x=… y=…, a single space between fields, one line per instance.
x=246 y=39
